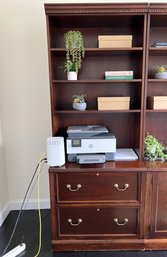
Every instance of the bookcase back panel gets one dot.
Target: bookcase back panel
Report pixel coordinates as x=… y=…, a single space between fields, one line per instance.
x=94 y=69
x=119 y=124
x=91 y=26
x=156 y=124
x=92 y=91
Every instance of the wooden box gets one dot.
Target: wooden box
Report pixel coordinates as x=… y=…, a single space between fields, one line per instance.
x=115 y=41
x=157 y=102
x=113 y=103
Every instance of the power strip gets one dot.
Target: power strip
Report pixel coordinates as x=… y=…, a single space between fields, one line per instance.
x=15 y=251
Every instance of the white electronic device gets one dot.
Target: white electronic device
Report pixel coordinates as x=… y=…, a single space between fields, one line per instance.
x=55 y=151
x=102 y=143
x=90 y=144
x=15 y=251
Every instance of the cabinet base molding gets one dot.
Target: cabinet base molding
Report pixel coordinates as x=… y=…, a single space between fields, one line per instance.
x=155 y=244
x=107 y=245
x=102 y=245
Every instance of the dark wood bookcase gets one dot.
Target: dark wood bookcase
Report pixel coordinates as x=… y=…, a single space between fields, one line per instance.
x=91 y=205
x=156 y=122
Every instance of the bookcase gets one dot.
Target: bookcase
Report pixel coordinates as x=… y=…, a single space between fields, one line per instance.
x=156 y=119
x=115 y=205
x=91 y=77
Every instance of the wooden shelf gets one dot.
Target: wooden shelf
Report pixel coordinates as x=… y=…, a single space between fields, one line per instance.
x=158 y=51
x=98 y=81
x=102 y=50
x=157 y=80
x=95 y=111
x=157 y=110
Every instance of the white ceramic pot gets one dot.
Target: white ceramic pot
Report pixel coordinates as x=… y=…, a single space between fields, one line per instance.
x=72 y=75
x=161 y=75
x=79 y=106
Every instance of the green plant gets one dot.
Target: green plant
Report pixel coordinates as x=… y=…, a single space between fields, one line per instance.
x=153 y=149
x=75 y=50
x=160 y=68
x=79 y=98
x=69 y=66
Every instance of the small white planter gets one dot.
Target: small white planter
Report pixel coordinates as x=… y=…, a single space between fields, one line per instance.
x=72 y=75
x=79 y=106
x=161 y=75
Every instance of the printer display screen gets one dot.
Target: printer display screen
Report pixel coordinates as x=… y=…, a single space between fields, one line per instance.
x=76 y=142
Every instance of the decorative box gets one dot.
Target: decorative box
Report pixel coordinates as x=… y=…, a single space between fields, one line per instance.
x=157 y=102
x=115 y=41
x=113 y=103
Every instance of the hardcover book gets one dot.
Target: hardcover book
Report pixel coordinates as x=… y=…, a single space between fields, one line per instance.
x=160 y=44
x=118 y=77
x=119 y=73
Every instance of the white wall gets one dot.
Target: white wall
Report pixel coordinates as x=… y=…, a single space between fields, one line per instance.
x=4 y=198
x=24 y=96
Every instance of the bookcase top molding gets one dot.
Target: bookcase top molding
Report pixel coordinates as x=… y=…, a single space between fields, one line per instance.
x=95 y=8
x=107 y=8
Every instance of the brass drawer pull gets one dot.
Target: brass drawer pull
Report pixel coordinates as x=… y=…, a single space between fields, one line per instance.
x=74 y=224
x=121 y=189
x=120 y=224
x=73 y=190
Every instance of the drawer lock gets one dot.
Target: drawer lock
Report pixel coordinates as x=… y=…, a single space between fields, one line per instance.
x=121 y=224
x=75 y=189
x=74 y=224
x=121 y=189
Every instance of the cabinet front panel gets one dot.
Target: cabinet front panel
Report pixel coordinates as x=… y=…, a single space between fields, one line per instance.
x=97 y=187
x=159 y=205
x=105 y=221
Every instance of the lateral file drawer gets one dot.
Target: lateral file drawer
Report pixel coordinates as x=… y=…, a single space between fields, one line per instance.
x=97 y=186
x=109 y=221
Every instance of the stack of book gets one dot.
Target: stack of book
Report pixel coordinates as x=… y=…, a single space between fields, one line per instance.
x=118 y=75
x=160 y=44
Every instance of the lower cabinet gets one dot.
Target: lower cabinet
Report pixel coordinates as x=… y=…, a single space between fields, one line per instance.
x=98 y=209
x=159 y=205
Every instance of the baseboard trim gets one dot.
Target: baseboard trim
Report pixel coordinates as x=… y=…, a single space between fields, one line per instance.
x=31 y=205
x=4 y=213
x=16 y=205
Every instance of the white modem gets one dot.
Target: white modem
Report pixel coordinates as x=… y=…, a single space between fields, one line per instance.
x=15 y=251
x=55 y=151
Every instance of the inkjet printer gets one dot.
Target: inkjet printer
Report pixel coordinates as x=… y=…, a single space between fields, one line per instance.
x=90 y=144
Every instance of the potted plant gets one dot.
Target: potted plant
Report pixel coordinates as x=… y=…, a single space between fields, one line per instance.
x=160 y=71
x=75 y=51
x=79 y=102
x=153 y=149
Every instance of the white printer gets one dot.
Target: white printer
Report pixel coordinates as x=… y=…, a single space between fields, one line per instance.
x=90 y=144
